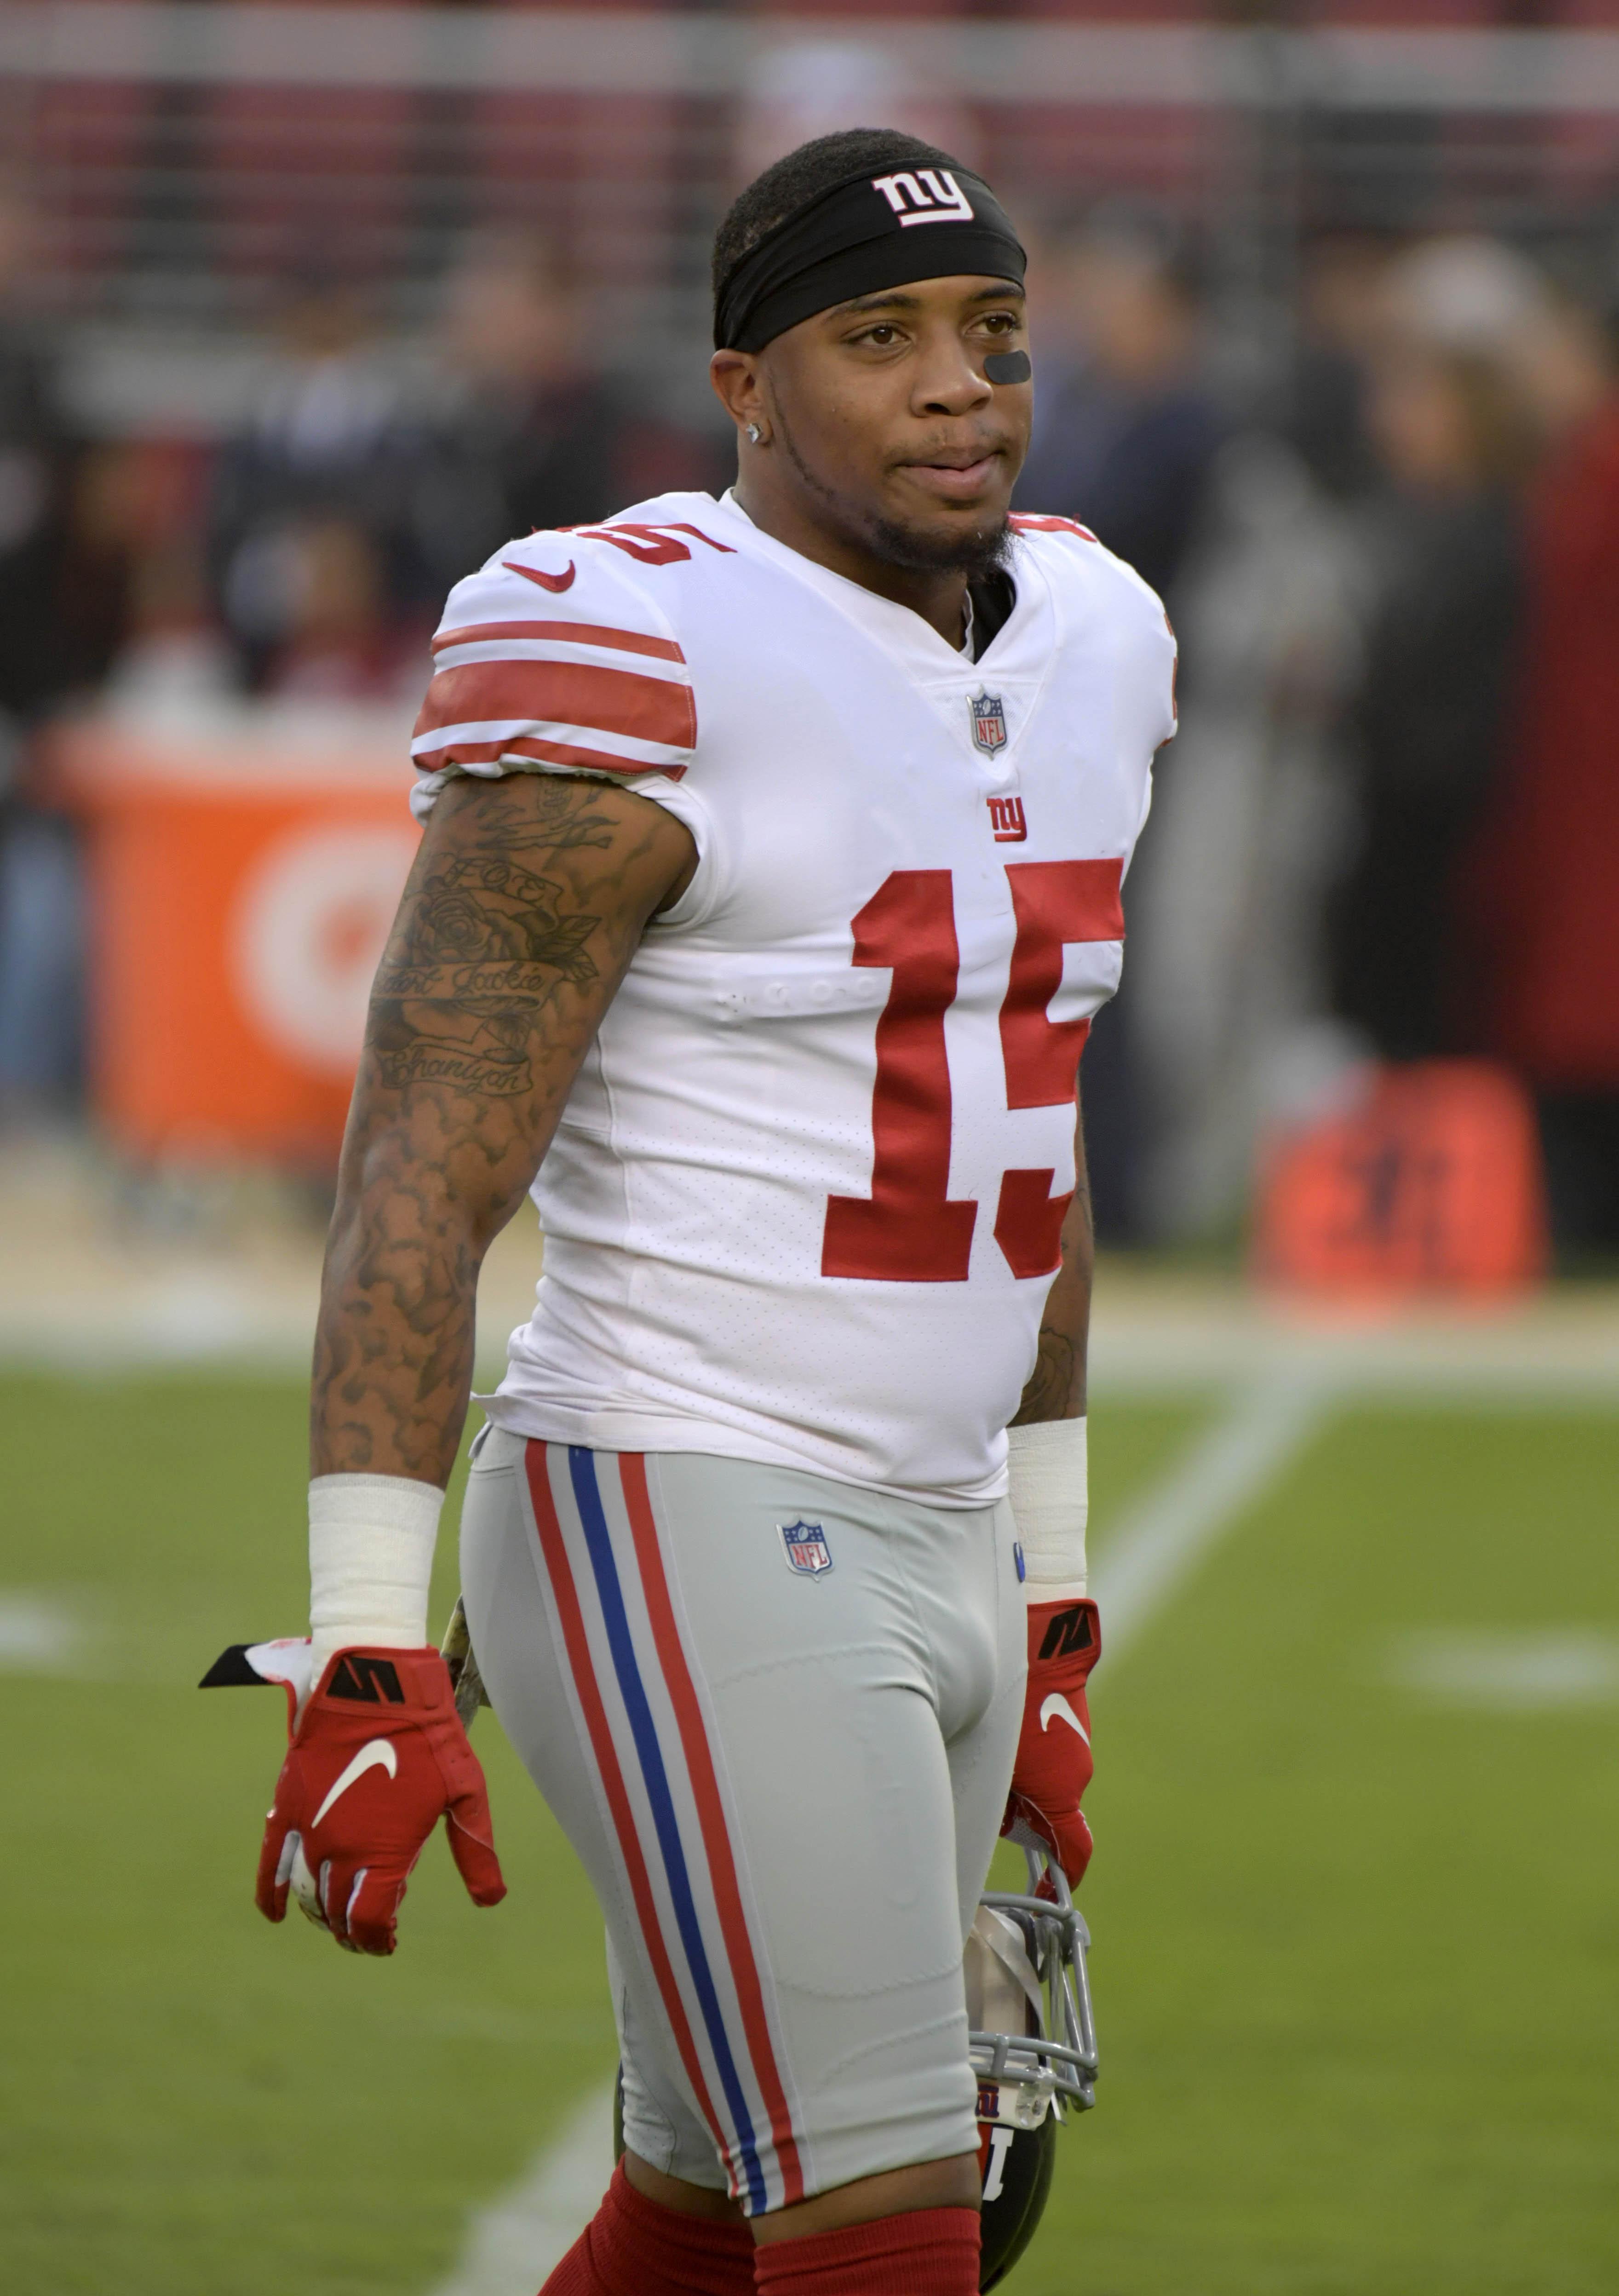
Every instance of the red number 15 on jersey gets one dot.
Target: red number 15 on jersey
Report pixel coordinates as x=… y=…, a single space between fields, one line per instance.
x=910 y=1230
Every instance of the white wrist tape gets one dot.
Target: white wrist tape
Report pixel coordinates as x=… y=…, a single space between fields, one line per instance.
x=1049 y=1499
x=371 y=1555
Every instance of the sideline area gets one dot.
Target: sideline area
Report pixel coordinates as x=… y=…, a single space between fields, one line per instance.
x=1320 y=1775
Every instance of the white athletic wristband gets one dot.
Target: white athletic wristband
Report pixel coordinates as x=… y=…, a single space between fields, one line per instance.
x=371 y=1556
x=1046 y=1462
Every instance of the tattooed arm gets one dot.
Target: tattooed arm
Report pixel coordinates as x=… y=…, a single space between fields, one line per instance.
x=1056 y=1385
x=525 y=902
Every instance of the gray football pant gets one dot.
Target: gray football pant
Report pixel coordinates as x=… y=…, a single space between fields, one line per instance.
x=784 y=1780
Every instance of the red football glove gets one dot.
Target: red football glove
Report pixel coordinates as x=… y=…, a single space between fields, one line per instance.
x=378 y=1756
x=1054 y=1766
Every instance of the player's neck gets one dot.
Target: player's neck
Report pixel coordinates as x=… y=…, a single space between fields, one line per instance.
x=939 y=597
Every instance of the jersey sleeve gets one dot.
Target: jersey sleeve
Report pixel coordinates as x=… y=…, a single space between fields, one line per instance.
x=549 y=659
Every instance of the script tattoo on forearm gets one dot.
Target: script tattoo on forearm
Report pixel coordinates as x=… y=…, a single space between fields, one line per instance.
x=526 y=903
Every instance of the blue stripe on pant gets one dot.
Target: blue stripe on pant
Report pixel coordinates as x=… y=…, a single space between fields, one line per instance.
x=581 y=1464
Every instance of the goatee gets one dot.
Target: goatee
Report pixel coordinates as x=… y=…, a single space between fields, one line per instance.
x=974 y=552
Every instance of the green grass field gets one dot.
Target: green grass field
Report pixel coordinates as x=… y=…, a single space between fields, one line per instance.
x=1357 y=1962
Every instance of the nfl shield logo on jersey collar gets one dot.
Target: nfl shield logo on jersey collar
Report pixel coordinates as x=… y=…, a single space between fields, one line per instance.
x=804 y=1545
x=988 y=723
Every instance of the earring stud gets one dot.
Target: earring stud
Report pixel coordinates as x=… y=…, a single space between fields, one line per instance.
x=754 y=433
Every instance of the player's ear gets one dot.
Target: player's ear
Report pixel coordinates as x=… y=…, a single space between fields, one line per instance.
x=739 y=387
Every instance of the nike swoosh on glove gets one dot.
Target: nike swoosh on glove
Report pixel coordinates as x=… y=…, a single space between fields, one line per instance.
x=1054 y=1765
x=377 y=1757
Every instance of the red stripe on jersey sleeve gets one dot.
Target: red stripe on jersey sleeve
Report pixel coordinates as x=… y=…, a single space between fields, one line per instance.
x=526 y=745
x=574 y=633
x=561 y=692
x=1028 y=522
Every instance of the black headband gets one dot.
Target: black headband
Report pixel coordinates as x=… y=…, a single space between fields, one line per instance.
x=866 y=232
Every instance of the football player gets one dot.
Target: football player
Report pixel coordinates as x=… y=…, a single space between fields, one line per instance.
x=769 y=879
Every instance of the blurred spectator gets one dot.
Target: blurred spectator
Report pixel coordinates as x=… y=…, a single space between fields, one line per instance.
x=39 y=900
x=133 y=613
x=1226 y=967
x=1125 y=427
x=531 y=433
x=35 y=480
x=1126 y=434
x=1428 y=723
x=1545 y=897
x=1341 y=309
x=340 y=642
x=330 y=441
x=1464 y=293
x=536 y=432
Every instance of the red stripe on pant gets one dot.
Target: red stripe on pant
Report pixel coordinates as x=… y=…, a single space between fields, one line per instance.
x=574 y=1638
x=710 y=1812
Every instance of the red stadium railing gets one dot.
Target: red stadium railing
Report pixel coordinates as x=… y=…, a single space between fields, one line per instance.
x=183 y=158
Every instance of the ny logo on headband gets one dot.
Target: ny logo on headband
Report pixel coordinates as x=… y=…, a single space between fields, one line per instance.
x=932 y=195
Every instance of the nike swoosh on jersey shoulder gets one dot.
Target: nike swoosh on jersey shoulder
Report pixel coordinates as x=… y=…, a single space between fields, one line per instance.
x=555 y=583
x=598 y=681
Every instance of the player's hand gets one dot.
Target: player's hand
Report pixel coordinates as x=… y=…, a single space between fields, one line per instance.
x=1054 y=1766
x=378 y=1755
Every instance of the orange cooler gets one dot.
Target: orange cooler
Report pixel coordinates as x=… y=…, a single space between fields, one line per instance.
x=1431 y=1184
x=245 y=865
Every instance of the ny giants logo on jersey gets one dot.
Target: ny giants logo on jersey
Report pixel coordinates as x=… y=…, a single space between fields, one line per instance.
x=804 y=1545
x=932 y=195
x=1008 y=824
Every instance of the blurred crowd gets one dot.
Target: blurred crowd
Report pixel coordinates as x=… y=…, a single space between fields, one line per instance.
x=1389 y=829
x=301 y=558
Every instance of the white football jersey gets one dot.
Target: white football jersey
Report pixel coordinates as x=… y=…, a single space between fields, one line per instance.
x=803 y=1203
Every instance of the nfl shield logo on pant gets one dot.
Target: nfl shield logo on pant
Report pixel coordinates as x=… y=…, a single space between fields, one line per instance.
x=804 y=1545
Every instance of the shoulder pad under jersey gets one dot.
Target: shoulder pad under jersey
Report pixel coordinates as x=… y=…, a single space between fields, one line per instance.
x=1142 y=639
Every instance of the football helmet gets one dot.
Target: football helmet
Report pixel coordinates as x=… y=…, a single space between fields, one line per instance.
x=1033 y=2046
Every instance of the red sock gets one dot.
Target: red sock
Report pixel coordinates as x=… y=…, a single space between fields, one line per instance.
x=635 y=2247
x=930 y=2253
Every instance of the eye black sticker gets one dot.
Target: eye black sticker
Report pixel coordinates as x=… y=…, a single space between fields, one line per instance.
x=1008 y=366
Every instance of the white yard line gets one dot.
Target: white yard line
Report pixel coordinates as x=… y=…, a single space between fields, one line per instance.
x=513 y=2243
x=38 y=1635
x=1168 y=1532
x=1546 y=1670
